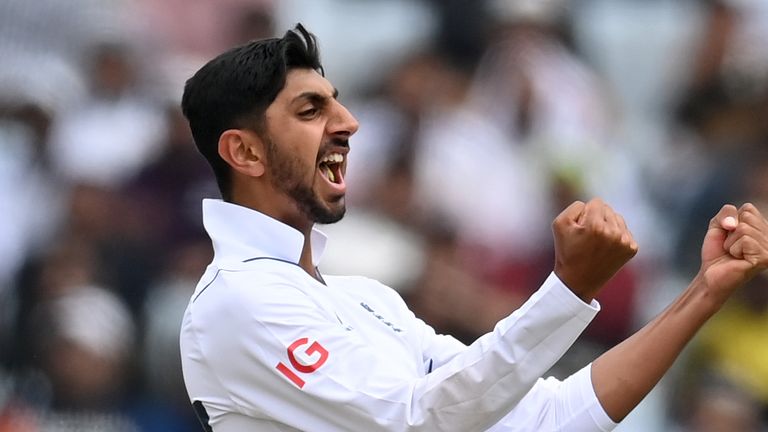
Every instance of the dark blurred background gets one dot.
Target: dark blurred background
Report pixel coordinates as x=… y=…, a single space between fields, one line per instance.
x=480 y=121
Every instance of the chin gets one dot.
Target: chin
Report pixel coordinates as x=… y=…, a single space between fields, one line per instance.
x=330 y=216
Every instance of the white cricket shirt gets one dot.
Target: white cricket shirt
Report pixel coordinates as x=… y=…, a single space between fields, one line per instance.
x=266 y=347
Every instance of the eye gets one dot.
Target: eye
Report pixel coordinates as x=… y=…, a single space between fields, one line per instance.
x=309 y=113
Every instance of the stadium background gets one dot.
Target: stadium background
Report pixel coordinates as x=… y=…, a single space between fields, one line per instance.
x=480 y=120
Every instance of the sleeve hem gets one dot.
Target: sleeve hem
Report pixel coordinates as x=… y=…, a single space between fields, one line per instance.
x=596 y=411
x=585 y=312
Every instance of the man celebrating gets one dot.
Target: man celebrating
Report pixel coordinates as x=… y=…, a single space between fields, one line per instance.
x=270 y=344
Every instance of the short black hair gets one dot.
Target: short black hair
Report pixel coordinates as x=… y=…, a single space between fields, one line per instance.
x=235 y=89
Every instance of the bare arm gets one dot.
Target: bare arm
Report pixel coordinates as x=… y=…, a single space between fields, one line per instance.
x=735 y=249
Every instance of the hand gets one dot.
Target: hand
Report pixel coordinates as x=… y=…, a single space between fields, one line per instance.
x=592 y=242
x=735 y=249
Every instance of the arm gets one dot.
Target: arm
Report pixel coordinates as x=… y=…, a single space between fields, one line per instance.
x=735 y=249
x=373 y=384
x=592 y=242
x=564 y=406
x=343 y=379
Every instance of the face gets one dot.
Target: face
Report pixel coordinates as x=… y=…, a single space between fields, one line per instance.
x=307 y=132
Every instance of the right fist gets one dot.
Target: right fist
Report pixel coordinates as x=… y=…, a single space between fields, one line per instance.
x=592 y=242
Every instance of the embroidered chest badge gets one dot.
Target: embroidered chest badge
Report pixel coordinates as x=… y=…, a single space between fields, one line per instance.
x=381 y=318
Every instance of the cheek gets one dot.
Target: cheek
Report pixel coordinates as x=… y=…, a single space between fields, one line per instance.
x=305 y=148
x=294 y=169
x=299 y=143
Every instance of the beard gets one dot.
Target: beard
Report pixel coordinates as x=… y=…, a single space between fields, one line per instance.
x=289 y=177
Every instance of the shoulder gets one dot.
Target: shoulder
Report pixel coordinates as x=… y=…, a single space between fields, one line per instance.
x=361 y=283
x=245 y=287
x=369 y=291
x=262 y=272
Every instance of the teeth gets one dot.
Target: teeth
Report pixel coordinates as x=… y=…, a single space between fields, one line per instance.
x=333 y=158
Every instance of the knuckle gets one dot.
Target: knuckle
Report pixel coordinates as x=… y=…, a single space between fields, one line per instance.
x=747 y=217
x=603 y=231
x=748 y=207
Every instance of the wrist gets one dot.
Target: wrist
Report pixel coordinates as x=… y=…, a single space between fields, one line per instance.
x=706 y=294
x=582 y=289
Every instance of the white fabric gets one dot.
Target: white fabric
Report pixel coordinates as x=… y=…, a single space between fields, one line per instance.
x=383 y=369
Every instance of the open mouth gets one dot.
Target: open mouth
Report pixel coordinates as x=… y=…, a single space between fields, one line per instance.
x=330 y=168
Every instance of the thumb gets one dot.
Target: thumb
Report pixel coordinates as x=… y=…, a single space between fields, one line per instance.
x=726 y=219
x=719 y=226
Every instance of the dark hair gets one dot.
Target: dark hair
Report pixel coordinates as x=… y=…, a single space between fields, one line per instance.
x=234 y=90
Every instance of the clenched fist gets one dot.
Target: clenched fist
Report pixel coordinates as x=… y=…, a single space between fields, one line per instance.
x=735 y=249
x=592 y=242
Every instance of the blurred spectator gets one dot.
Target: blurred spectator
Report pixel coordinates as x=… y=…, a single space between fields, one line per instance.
x=732 y=173
x=393 y=252
x=33 y=204
x=730 y=55
x=128 y=261
x=439 y=145
x=722 y=112
x=467 y=171
x=554 y=108
x=361 y=40
x=106 y=139
x=166 y=396
x=205 y=28
x=721 y=407
x=81 y=342
x=85 y=340
x=47 y=25
x=168 y=190
x=734 y=344
x=452 y=298
x=383 y=177
x=70 y=264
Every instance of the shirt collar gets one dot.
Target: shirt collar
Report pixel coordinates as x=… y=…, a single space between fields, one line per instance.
x=240 y=233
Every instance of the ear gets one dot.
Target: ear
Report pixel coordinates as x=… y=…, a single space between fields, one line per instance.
x=244 y=151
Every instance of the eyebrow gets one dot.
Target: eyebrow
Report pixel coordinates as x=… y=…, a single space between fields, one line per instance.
x=316 y=97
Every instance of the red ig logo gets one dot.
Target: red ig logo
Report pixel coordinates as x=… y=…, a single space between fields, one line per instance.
x=314 y=348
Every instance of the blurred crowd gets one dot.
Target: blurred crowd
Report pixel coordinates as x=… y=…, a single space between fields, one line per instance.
x=480 y=122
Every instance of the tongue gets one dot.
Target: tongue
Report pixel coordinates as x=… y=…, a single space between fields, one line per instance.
x=338 y=177
x=327 y=172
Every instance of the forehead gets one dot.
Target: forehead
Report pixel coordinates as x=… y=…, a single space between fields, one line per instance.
x=302 y=81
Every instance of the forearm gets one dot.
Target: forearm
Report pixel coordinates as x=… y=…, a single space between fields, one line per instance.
x=494 y=373
x=625 y=374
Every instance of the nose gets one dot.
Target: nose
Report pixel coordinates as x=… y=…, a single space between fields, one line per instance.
x=343 y=123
